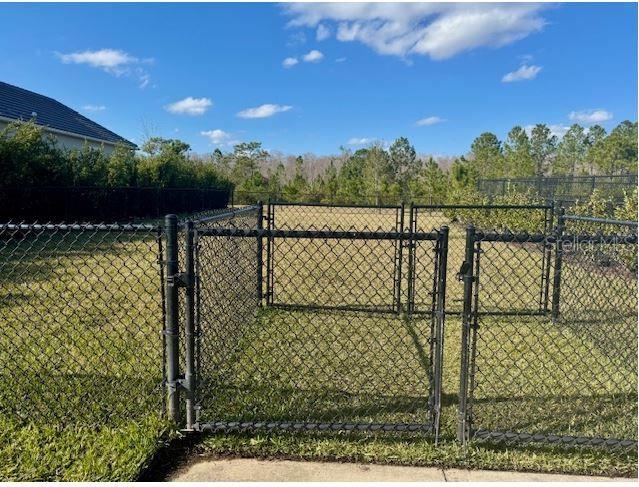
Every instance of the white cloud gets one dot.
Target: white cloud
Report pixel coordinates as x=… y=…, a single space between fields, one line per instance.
x=430 y=121
x=112 y=61
x=438 y=30
x=596 y=115
x=190 y=106
x=322 y=32
x=263 y=111
x=360 y=141
x=94 y=108
x=523 y=73
x=313 y=56
x=340 y=60
x=219 y=137
x=289 y=62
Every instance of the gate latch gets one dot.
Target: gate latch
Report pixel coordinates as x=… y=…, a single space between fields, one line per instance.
x=181 y=279
x=463 y=270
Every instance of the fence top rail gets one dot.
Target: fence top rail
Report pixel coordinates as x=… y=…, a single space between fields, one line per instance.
x=593 y=219
x=485 y=207
x=80 y=227
x=317 y=234
x=552 y=238
x=227 y=214
x=333 y=205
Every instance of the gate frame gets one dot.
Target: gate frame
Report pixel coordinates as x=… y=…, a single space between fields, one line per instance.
x=469 y=273
x=188 y=383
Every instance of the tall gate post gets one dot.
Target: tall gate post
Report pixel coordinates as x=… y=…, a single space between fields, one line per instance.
x=410 y=305
x=466 y=275
x=399 y=259
x=189 y=328
x=171 y=326
x=269 y=250
x=260 y=250
x=439 y=328
x=547 y=255
x=556 y=287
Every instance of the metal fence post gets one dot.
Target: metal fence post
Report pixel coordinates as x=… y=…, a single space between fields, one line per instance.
x=189 y=327
x=171 y=326
x=399 y=260
x=548 y=227
x=556 y=287
x=439 y=328
x=466 y=275
x=269 y=250
x=410 y=305
x=260 y=249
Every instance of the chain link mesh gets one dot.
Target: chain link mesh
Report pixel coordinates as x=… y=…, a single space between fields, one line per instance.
x=328 y=349
x=532 y=219
x=81 y=314
x=568 y=375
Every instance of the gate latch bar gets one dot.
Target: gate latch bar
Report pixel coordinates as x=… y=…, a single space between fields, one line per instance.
x=181 y=279
x=465 y=267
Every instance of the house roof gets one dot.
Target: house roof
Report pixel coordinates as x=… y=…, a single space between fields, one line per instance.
x=20 y=104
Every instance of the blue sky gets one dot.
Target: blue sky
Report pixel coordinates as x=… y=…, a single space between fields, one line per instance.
x=214 y=74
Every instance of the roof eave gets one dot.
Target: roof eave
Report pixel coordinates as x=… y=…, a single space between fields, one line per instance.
x=73 y=134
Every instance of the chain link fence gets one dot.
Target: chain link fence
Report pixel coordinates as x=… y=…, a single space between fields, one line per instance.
x=561 y=188
x=567 y=376
x=317 y=317
x=81 y=323
x=326 y=349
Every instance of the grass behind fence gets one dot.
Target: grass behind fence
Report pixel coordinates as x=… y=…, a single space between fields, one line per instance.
x=533 y=376
x=80 y=354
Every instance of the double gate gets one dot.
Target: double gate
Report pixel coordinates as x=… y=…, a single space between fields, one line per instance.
x=312 y=318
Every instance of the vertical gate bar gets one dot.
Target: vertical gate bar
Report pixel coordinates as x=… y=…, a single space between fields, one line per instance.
x=556 y=285
x=272 y=256
x=543 y=265
x=260 y=263
x=189 y=327
x=171 y=327
x=269 y=209
x=473 y=336
x=198 y=327
x=467 y=277
x=548 y=250
x=160 y=262
x=411 y=263
x=399 y=260
x=441 y=317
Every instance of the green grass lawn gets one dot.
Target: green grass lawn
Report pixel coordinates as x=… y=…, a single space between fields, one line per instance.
x=532 y=376
x=81 y=356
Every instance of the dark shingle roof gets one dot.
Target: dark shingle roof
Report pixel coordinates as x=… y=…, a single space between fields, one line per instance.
x=19 y=104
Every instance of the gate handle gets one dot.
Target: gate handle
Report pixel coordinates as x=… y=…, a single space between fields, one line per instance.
x=465 y=267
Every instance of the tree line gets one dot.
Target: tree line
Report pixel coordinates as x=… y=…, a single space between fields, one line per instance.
x=381 y=173
x=398 y=173
x=30 y=157
x=578 y=152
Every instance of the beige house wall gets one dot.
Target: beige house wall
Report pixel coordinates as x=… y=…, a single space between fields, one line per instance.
x=71 y=141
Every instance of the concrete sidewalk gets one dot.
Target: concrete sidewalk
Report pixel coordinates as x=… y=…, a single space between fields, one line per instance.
x=239 y=470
